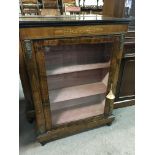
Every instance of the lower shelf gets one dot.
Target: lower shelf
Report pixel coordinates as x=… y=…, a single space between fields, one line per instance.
x=76 y=92
x=78 y=112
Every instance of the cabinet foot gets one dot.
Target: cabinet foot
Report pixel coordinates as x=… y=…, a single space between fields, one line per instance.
x=30 y=120
x=30 y=116
x=109 y=124
x=42 y=143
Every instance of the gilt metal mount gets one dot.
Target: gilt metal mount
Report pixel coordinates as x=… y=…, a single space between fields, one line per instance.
x=110 y=95
x=28 y=48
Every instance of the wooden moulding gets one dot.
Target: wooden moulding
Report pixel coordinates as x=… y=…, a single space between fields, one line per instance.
x=74 y=127
x=126 y=103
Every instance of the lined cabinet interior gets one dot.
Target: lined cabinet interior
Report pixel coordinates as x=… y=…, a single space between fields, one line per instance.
x=77 y=77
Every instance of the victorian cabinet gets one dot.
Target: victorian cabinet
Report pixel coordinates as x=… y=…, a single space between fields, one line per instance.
x=69 y=70
x=125 y=92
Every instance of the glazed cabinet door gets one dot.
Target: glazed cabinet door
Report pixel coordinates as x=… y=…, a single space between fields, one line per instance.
x=71 y=77
x=127 y=85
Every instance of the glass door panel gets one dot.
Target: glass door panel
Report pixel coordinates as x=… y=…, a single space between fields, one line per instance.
x=77 y=76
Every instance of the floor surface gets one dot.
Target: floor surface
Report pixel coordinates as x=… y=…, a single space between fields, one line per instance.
x=118 y=139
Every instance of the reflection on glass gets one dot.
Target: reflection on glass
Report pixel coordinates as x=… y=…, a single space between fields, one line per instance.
x=77 y=76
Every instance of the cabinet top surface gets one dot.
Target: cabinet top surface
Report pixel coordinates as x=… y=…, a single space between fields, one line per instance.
x=41 y=21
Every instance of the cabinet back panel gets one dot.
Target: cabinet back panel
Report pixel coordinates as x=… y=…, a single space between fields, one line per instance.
x=66 y=55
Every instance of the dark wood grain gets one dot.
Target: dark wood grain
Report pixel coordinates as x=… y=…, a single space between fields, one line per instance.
x=35 y=87
x=40 y=60
x=25 y=83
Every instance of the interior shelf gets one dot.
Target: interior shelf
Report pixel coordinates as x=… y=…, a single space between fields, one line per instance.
x=75 y=92
x=77 y=68
x=78 y=112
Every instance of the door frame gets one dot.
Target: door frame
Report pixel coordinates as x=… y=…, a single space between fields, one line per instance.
x=35 y=63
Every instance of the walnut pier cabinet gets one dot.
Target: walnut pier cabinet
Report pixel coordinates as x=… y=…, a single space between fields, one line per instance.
x=69 y=70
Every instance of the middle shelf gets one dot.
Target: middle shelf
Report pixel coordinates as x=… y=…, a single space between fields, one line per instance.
x=75 y=92
x=77 y=68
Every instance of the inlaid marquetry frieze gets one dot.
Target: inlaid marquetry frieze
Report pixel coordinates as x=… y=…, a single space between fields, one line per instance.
x=72 y=31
